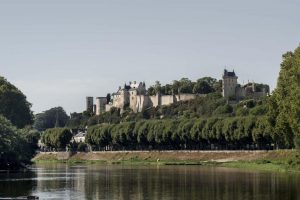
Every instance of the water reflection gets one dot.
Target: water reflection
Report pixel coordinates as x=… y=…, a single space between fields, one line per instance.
x=17 y=184
x=60 y=181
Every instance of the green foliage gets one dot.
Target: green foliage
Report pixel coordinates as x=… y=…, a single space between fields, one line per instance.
x=77 y=121
x=57 y=138
x=14 y=105
x=82 y=147
x=284 y=103
x=16 y=146
x=226 y=109
x=222 y=133
x=203 y=85
x=54 y=117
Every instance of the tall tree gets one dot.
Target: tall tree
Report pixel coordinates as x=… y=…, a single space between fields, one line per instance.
x=285 y=103
x=54 y=117
x=14 y=105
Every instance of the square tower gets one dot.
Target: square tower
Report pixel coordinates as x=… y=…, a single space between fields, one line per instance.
x=229 y=84
x=100 y=105
x=89 y=104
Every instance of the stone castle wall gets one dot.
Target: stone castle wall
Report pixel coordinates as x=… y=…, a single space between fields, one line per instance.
x=134 y=95
x=185 y=97
x=167 y=99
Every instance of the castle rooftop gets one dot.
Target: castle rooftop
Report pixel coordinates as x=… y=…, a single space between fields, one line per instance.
x=227 y=73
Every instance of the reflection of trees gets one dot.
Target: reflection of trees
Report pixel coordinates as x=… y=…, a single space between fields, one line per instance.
x=52 y=177
x=16 y=184
x=125 y=182
x=153 y=182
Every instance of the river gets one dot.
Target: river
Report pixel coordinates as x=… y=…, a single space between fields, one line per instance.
x=94 y=181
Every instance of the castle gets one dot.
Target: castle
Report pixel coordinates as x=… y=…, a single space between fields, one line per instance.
x=233 y=91
x=136 y=98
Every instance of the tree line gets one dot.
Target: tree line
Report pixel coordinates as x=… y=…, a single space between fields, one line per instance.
x=194 y=134
x=203 y=85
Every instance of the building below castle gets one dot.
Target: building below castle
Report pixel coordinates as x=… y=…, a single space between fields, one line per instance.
x=134 y=95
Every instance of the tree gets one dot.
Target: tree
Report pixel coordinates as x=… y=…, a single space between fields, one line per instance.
x=108 y=98
x=151 y=91
x=186 y=86
x=285 y=106
x=157 y=87
x=57 y=138
x=14 y=105
x=16 y=146
x=54 y=117
x=204 y=85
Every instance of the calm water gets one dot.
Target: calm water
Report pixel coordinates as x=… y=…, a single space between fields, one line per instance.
x=59 y=181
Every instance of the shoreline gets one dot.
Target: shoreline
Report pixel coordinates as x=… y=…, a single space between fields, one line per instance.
x=276 y=160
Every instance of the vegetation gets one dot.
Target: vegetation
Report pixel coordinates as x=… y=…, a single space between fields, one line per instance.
x=54 y=117
x=285 y=104
x=203 y=85
x=14 y=105
x=57 y=138
x=197 y=133
x=16 y=146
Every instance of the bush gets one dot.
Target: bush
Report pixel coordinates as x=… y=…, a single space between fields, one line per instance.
x=82 y=147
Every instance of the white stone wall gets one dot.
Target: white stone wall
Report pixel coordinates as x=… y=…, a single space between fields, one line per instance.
x=108 y=107
x=167 y=99
x=154 y=100
x=185 y=97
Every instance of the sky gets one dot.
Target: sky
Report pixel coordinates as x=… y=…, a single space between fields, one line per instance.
x=57 y=52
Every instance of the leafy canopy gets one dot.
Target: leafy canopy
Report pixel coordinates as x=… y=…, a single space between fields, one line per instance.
x=14 y=105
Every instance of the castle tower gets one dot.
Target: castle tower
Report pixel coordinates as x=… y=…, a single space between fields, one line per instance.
x=100 y=105
x=89 y=104
x=229 y=84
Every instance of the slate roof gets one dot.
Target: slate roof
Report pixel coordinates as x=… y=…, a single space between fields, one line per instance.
x=227 y=73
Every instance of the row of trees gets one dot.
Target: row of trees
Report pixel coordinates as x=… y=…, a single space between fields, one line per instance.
x=198 y=133
x=203 y=85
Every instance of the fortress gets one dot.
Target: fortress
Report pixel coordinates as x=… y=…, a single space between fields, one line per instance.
x=233 y=91
x=134 y=95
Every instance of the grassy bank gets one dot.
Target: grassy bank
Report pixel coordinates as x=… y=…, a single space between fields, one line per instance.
x=282 y=160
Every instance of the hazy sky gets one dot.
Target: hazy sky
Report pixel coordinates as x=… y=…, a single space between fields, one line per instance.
x=60 y=51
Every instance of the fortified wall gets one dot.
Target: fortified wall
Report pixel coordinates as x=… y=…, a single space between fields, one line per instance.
x=136 y=98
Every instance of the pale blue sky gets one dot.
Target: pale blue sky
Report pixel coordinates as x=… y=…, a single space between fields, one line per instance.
x=59 y=51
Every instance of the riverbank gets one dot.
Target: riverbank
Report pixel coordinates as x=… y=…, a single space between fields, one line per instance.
x=279 y=160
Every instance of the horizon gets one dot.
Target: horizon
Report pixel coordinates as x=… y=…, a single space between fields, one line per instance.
x=57 y=52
